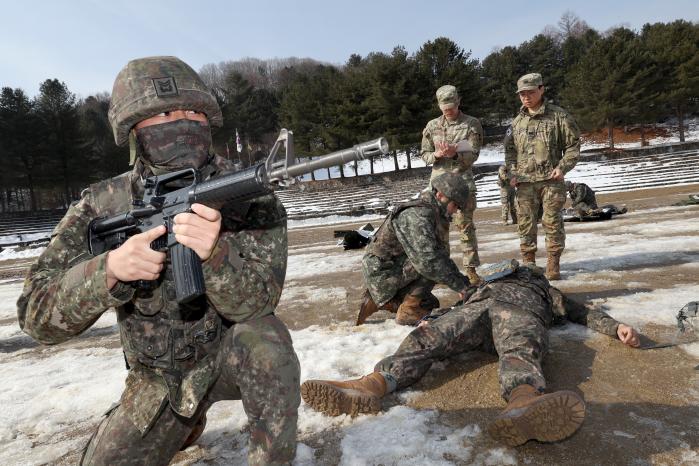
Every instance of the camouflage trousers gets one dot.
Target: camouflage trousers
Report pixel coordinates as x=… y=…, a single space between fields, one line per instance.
x=463 y=220
x=518 y=335
x=551 y=195
x=388 y=279
x=256 y=363
x=507 y=200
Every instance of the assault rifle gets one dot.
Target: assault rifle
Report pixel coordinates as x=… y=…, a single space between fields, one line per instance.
x=161 y=203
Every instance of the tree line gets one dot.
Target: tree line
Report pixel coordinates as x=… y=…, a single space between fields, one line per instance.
x=54 y=144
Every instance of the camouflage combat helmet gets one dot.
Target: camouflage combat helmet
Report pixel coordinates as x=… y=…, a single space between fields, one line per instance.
x=151 y=85
x=453 y=186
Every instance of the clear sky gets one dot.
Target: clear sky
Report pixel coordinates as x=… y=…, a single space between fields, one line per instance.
x=86 y=42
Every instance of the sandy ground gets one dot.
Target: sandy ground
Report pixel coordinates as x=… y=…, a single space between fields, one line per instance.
x=643 y=405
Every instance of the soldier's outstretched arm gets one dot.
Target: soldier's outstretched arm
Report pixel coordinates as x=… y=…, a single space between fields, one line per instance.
x=594 y=319
x=417 y=235
x=245 y=273
x=65 y=290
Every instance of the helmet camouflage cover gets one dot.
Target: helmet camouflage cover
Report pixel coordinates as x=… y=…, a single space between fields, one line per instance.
x=453 y=186
x=152 y=85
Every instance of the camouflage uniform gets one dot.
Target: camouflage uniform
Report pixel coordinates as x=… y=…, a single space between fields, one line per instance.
x=467 y=128
x=582 y=198
x=181 y=358
x=509 y=316
x=507 y=196
x=410 y=252
x=540 y=142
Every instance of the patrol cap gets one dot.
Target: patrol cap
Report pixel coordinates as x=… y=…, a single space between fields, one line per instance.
x=529 y=82
x=447 y=97
x=152 y=85
x=453 y=186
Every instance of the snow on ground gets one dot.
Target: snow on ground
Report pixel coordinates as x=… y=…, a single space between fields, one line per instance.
x=53 y=396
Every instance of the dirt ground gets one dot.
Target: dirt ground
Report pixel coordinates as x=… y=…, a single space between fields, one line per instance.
x=642 y=405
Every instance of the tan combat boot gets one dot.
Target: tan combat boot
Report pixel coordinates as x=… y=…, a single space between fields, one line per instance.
x=473 y=277
x=369 y=307
x=358 y=396
x=553 y=267
x=529 y=415
x=529 y=258
x=411 y=311
x=197 y=430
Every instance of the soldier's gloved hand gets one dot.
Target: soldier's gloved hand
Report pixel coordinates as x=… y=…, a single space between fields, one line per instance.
x=135 y=260
x=628 y=335
x=198 y=230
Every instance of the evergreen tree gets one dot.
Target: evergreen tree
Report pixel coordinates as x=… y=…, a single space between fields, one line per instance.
x=606 y=84
x=674 y=48
x=21 y=158
x=57 y=109
x=501 y=69
x=98 y=139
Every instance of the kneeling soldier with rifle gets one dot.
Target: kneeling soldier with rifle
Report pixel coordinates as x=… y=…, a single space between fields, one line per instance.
x=509 y=315
x=410 y=254
x=193 y=258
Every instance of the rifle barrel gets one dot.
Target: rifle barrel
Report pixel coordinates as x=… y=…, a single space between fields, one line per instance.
x=361 y=151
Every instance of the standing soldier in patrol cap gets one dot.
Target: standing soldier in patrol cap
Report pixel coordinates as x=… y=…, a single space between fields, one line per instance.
x=181 y=358
x=507 y=196
x=410 y=254
x=544 y=145
x=441 y=149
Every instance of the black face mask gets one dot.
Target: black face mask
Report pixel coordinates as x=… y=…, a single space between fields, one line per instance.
x=175 y=145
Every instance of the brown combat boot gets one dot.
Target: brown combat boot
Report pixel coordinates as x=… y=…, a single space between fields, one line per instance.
x=473 y=277
x=369 y=307
x=358 y=396
x=197 y=430
x=529 y=258
x=553 y=267
x=411 y=311
x=529 y=415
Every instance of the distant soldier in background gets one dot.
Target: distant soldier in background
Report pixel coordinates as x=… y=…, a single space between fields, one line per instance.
x=451 y=143
x=543 y=147
x=582 y=198
x=507 y=196
x=410 y=254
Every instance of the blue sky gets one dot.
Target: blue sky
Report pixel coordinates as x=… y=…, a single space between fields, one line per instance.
x=86 y=42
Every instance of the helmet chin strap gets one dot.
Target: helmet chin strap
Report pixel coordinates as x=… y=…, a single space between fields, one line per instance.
x=132 y=147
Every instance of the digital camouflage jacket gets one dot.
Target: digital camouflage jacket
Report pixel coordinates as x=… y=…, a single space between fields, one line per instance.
x=540 y=142
x=170 y=348
x=416 y=233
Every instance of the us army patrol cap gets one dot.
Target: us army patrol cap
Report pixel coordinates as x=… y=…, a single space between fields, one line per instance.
x=152 y=85
x=447 y=97
x=529 y=81
x=453 y=186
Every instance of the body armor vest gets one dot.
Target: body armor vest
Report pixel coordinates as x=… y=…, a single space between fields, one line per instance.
x=155 y=330
x=386 y=244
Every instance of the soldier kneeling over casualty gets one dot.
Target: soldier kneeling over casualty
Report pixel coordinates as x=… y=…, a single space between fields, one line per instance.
x=181 y=357
x=509 y=315
x=582 y=198
x=410 y=254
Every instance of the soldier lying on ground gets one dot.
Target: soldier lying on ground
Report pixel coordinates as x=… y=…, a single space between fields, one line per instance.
x=181 y=358
x=509 y=316
x=410 y=254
